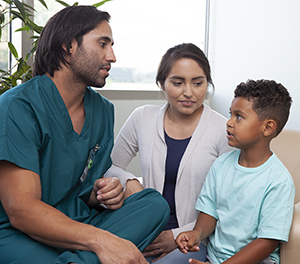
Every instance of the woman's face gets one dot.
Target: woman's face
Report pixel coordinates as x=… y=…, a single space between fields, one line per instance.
x=185 y=87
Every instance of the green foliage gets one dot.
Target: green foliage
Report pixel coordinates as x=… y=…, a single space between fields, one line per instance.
x=22 y=70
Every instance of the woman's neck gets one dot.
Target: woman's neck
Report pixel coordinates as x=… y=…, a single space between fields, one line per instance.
x=179 y=126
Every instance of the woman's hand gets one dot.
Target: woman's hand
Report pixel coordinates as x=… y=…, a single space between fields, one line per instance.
x=162 y=245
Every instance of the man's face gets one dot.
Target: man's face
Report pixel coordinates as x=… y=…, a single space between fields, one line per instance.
x=91 y=61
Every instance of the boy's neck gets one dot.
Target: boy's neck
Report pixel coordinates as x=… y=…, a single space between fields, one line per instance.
x=252 y=158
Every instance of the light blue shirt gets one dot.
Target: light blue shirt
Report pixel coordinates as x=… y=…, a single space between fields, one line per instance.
x=248 y=203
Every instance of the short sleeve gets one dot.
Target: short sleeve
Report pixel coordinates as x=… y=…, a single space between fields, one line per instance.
x=206 y=201
x=277 y=211
x=20 y=134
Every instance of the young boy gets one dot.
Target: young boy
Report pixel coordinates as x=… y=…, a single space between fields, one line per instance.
x=246 y=203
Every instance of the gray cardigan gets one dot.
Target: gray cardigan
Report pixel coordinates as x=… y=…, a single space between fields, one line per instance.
x=143 y=132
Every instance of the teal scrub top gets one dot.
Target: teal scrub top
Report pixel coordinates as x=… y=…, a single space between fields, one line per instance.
x=36 y=133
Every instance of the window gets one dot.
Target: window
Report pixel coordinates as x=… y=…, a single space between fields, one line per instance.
x=4 y=59
x=143 y=31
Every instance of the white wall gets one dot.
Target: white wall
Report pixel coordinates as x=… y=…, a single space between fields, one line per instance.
x=249 y=39
x=125 y=102
x=255 y=39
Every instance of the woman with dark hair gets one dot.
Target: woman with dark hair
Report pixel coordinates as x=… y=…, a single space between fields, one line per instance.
x=177 y=143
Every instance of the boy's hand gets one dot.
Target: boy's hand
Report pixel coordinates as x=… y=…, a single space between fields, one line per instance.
x=194 y=261
x=188 y=241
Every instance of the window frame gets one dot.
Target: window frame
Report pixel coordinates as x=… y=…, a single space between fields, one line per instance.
x=133 y=87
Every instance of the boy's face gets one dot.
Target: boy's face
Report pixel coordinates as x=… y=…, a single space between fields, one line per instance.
x=244 y=130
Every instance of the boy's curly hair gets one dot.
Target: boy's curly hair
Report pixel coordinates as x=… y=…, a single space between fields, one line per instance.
x=271 y=100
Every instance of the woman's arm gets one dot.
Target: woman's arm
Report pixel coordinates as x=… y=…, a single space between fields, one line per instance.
x=124 y=150
x=20 y=195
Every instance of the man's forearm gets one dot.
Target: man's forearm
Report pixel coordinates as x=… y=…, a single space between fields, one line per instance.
x=53 y=228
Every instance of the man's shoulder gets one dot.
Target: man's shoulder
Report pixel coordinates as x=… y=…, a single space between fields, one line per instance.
x=96 y=97
x=33 y=82
x=25 y=92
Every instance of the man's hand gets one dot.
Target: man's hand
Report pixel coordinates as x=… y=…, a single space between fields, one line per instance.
x=162 y=245
x=116 y=250
x=107 y=191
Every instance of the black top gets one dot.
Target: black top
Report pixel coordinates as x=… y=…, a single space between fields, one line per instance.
x=175 y=151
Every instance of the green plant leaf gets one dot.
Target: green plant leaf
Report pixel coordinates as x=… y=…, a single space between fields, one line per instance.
x=19 y=70
x=3 y=89
x=26 y=28
x=17 y=15
x=7 y=80
x=43 y=3
x=28 y=8
x=75 y=4
x=35 y=37
x=13 y=81
x=30 y=53
x=35 y=27
x=101 y=3
x=21 y=8
x=62 y=3
x=13 y=50
x=2 y=18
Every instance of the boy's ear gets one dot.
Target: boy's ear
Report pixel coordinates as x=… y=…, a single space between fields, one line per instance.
x=269 y=128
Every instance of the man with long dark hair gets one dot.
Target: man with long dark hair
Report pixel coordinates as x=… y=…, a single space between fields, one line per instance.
x=56 y=136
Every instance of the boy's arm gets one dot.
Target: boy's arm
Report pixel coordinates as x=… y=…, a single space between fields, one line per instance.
x=255 y=252
x=205 y=225
x=189 y=241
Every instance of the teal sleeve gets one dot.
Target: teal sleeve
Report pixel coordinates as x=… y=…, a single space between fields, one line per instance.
x=19 y=134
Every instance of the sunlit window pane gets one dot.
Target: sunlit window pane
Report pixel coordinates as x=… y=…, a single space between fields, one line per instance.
x=143 y=31
x=4 y=39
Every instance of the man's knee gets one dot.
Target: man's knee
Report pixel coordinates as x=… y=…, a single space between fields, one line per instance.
x=157 y=206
